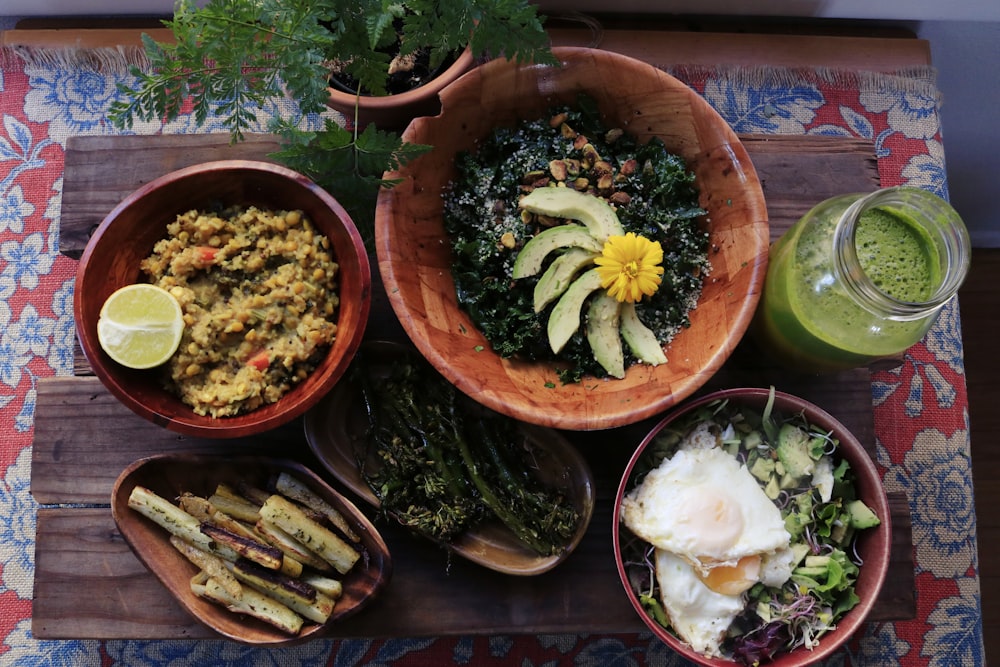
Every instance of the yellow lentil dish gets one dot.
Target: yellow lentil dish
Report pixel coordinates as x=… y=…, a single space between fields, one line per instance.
x=258 y=292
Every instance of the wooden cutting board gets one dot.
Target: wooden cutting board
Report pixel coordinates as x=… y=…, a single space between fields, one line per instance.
x=88 y=584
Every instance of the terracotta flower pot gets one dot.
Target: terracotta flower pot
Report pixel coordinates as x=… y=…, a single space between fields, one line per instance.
x=394 y=112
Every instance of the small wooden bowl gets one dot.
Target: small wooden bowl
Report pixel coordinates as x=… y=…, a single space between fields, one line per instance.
x=170 y=475
x=394 y=112
x=335 y=430
x=874 y=545
x=127 y=236
x=415 y=257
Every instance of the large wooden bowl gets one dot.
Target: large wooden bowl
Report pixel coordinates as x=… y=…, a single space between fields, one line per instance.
x=874 y=545
x=172 y=474
x=415 y=259
x=127 y=235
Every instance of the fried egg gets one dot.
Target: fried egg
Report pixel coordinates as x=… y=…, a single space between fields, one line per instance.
x=699 y=615
x=716 y=534
x=704 y=506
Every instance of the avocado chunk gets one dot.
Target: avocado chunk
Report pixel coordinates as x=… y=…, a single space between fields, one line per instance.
x=595 y=213
x=640 y=338
x=772 y=491
x=794 y=451
x=603 y=317
x=762 y=468
x=559 y=275
x=564 y=320
x=860 y=515
x=529 y=260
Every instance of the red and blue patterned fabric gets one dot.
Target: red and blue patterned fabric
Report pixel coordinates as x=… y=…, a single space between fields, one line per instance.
x=921 y=415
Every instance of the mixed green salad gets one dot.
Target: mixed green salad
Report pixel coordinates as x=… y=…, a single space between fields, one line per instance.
x=801 y=471
x=651 y=190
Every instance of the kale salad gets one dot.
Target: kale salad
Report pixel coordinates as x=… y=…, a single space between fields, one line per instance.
x=650 y=189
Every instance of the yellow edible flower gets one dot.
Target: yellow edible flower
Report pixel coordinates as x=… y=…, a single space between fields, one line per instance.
x=629 y=267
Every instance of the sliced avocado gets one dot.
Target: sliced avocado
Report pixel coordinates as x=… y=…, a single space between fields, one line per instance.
x=861 y=516
x=793 y=451
x=816 y=561
x=640 y=338
x=595 y=213
x=811 y=572
x=559 y=275
x=564 y=319
x=603 y=334
x=529 y=260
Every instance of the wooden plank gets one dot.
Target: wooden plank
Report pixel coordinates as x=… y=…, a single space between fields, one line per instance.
x=654 y=39
x=87 y=581
x=980 y=323
x=796 y=172
x=717 y=46
x=94 y=190
x=84 y=437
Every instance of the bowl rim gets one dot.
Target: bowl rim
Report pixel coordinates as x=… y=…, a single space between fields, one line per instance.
x=623 y=412
x=863 y=465
x=250 y=423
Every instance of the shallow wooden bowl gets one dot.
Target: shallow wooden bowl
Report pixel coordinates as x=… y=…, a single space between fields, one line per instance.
x=874 y=545
x=127 y=235
x=335 y=430
x=170 y=475
x=415 y=259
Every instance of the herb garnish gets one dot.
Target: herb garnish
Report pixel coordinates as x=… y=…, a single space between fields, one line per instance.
x=442 y=465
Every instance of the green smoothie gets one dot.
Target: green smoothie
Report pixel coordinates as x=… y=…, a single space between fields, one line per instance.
x=807 y=320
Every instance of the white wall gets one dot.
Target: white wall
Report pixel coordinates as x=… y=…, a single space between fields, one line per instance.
x=913 y=10
x=967 y=57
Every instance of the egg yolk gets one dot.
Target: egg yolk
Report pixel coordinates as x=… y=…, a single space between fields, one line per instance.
x=733 y=579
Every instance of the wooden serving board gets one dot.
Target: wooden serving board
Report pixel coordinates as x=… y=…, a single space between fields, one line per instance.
x=88 y=584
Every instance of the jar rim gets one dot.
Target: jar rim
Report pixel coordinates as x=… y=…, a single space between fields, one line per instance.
x=946 y=230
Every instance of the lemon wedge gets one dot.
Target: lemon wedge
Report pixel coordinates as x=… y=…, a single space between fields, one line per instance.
x=140 y=326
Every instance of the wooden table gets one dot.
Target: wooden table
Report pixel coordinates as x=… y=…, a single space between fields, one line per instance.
x=88 y=584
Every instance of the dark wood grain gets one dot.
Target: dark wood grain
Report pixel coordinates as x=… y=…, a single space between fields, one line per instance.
x=795 y=172
x=94 y=558
x=87 y=581
x=980 y=323
x=94 y=190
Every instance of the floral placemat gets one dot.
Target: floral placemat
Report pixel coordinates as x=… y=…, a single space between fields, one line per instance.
x=921 y=416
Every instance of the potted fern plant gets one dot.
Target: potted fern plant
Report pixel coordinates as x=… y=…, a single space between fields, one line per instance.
x=232 y=57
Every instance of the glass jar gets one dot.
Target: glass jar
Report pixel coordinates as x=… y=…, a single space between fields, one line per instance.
x=859 y=278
